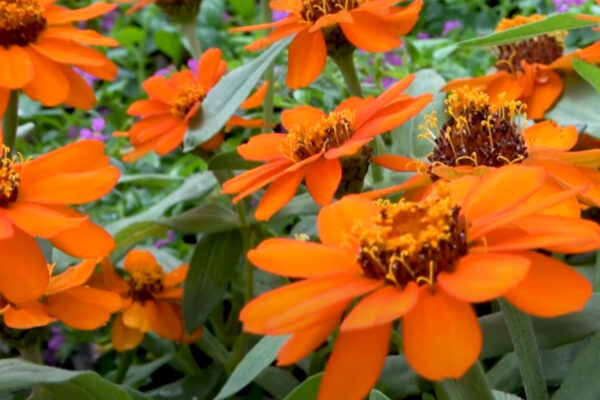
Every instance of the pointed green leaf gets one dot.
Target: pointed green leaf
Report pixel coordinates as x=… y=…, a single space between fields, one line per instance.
x=589 y=72
x=582 y=381
x=307 y=390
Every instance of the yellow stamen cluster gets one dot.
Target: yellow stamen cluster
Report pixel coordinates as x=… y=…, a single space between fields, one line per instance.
x=312 y=10
x=9 y=179
x=411 y=241
x=146 y=281
x=21 y=21
x=305 y=140
x=185 y=100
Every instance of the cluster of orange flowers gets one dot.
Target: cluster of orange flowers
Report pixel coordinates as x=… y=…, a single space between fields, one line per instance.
x=468 y=229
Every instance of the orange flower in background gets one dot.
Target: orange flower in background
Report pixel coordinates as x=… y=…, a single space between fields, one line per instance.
x=174 y=102
x=67 y=299
x=466 y=242
x=373 y=26
x=34 y=199
x=478 y=136
x=314 y=145
x=150 y=298
x=39 y=46
x=527 y=70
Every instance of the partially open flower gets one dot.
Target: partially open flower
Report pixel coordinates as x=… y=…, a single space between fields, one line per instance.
x=151 y=300
x=34 y=203
x=173 y=104
x=527 y=70
x=68 y=299
x=315 y=145
x=479 y=135
x=425 y=262
x=39 y=46
x=322 y=26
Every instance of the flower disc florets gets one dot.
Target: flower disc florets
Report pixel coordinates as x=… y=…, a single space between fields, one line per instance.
x=306 y=140
x=412 y=241
x=185 y=100
x=312 y=10
x=9 y=180
x=146 y=281
x=21 y=21
x=477 y=133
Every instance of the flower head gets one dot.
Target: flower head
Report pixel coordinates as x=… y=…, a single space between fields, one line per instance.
x=315 y=144
x=151 y=299
x=40 y=47
x=326 y=26
x=423 y=262
x=173 y=102
x=527 y=70
x=34 y=199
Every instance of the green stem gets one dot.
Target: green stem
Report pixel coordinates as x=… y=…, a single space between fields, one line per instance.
x=268 y=106
x=472 y=386
x=10 y=121
x=345 y=63
x=524 y=342
x=189 y=32
x=124 y=364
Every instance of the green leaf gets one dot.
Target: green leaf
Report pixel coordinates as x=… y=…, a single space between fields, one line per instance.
x=578 y=105
x=170 y=44
x=277 y=381
x=582 y=381
x=307 y=390
x=206 y=218
x=553 y=23
x=259 y=358
x=505 y=396
x=589 y=72
x=377 y=395
x=211 y=269
x=224 y=99
x=399 y=380
x=230 y=160
x=16 y=374
x=129 y=35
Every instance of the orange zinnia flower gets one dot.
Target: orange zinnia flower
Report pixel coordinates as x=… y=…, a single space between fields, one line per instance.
x=319 y=25
x=150 y=298
x=314 y=145
x=173 y=102
x=67 y=298
x=478 y=136
x=527 y=69
x=34 y=195
x=466 y=242
x=39 y=45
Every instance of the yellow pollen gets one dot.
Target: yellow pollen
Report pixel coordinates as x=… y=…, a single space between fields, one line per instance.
x=9 y=179
x=186 y=99
x=146 y=280
x=21 y=21
x=309 y=139
x=312 y=10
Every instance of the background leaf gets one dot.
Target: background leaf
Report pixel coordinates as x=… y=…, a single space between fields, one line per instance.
x=589 y=72
x=582 y=381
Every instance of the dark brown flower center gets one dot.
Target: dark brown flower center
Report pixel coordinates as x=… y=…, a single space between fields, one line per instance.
x=412 y=242
x=542 y=49
x=146 y=281
x=312 y=10
x=9 y=180
x=305 y=140
x=477 y=134
x=180 y=10
x=183 y=103
x=21 y=22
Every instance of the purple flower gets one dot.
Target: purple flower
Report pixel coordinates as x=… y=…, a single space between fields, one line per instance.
x=226 y=17
x=393 y=59
x=279 y=15
x=98 y=125
x=89 y=79
x=193 y=64
x=168 y=240
x=450 y=25
x=387 y=81
x=165 y=71
x=53 y=346
x=108 y=22
x=369 y=80
x=564 y=5
x=422 y=35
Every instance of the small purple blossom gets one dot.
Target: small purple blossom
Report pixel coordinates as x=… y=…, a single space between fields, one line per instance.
x=108 y=22
x=53 y=346
x=564 y=5
x=166 y=71
x=226 y=17
x=192 y=64
x=450 y=25
x=422 y=35
x=168 y=240
x=279 y=15
x=393 y=59
x=387 y=82
x=98 y=125
x=89 y=79
x=369 y=80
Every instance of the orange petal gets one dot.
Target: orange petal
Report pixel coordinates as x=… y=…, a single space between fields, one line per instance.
x=17 y=69
x=299 y=259
x=49 y=85
x=171 y=140
x=84 y=241
x=303 y=343
x=81 y=95
x=483 y=277
x=437 y=356
x=401 y=22
x=383 y=100
x=300 y=116
x=480 y=82
x=549 y=135
x=28 y=281
x=414 y=182
x=158 y=87
x=165 y=319
x=366 y=348
x=257 y=97
x=138 y=258
x=83 y=308
x=135 y=317
x=550 y=289
x=176 y=276
x=397 y=163
x=546 y=91
x=124 y=338
x=262 y=174
x=382 y=306
x=322 y=180
x=208 y=68
x=73 y=276
x=335 y=221
x=302 y=70
x=263 y=147
x=370 y=33
x=278 y=194
x=29 y=316
x=60 y=15
x=68 y=52
x=504 y=88
x=148 y=108
x=87 y=36
x=290 y=28
x=40 y=221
